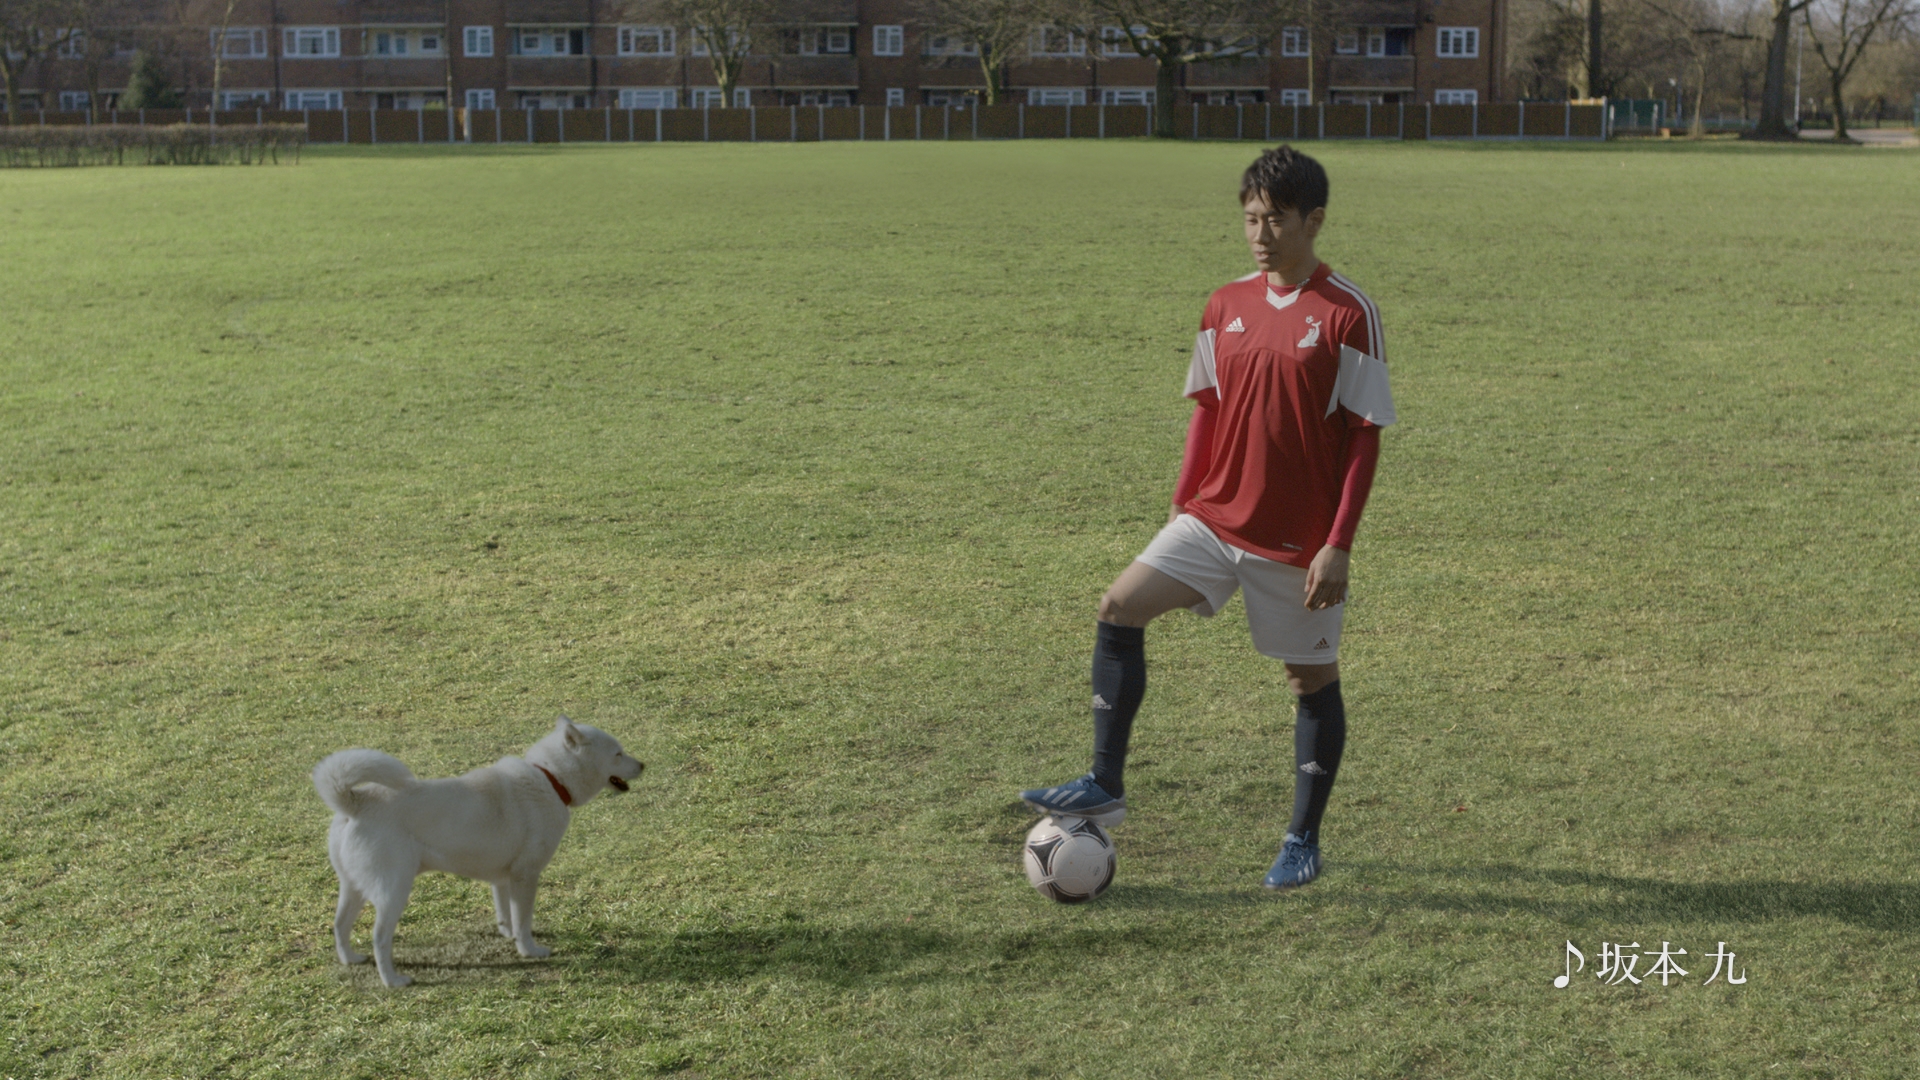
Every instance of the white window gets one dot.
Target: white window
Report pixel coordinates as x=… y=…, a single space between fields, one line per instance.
x=480 y=99
x=312 y=41
x=816 y=40
x=550 y=99
x=1056 y=95
x=1376 y=41
x=742 y=98
x=298 y=100
x=1056 y=41
x=646 y=41
x=1233 y=97
x=896 y=96
x=838 y=99
x=950 y=45
x=72 y=47
x=950 y=99
x=1114 y=42
x=246 y=99
x=1296 y=41
x=430 y=44
x=1347 y=41
x=388 y=43
x=479 y=42
x=1456 y=97
x=1126 y=95
x=649 y=98
x=889 y=41
x=708 y=97
x=546 y=41
x=76 y=101
x=1296 y=97
x=734 y=37
x=1460 y=41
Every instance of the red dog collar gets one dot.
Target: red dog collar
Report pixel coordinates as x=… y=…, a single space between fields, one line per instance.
x=560 y=789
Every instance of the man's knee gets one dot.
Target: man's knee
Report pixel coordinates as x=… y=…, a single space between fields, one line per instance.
x=1114 y=609
x=1311 y=678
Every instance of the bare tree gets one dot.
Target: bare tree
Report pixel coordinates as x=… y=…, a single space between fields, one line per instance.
x=996 y=32
x=99 y=34
x=1841 y=33
x=1773 y=91
x=1702 y=29
x=219 y=47
x=1176 y=33
x=29 y=30
x=725 y=29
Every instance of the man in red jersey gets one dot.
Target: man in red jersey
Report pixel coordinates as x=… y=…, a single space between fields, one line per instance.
x=1289 y=383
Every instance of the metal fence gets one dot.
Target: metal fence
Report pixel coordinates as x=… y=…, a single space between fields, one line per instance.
x=816 y=123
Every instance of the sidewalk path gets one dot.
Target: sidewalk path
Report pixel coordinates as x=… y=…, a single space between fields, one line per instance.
x=1872 y=136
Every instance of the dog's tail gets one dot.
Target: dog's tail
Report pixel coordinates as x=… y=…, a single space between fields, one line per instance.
x=339 y=777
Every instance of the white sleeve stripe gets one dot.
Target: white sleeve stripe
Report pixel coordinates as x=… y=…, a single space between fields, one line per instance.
x=1200 y=375
x=1362 y=387
x=1375 y=344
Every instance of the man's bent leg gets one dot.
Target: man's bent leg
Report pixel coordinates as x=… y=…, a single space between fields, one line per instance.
x=1140 y=595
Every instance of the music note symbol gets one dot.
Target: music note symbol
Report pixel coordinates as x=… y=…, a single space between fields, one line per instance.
x=1560 y=981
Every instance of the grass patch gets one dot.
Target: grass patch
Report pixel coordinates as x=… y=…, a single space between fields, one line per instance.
x=799 y=468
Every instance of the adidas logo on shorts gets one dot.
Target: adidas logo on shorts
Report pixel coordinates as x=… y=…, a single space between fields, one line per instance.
x=1323 y=645
x=1312 y=768
x=1100 y=702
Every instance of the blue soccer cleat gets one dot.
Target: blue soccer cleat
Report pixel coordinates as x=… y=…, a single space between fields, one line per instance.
x=1298 y=864
x=1080 y=798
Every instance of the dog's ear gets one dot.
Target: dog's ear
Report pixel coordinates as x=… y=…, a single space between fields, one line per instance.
x=569 y=732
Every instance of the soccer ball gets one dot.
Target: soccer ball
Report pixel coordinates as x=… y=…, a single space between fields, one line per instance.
x=1069 y=859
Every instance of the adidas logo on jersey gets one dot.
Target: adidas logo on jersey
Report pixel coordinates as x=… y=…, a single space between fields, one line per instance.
x=1236 y=327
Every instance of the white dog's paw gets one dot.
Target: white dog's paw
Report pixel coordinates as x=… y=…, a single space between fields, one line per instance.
x=535 y=951
x=397 y=981
x=350 y=958
x=505 y=930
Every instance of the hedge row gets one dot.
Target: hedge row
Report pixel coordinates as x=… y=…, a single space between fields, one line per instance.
x=173 y=144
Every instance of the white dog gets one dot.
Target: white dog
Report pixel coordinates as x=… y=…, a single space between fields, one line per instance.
x=500 y=825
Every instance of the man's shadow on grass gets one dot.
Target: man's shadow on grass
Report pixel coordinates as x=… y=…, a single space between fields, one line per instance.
x=1585 y=896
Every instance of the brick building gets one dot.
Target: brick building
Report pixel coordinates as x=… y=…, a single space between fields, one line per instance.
x=559 y=54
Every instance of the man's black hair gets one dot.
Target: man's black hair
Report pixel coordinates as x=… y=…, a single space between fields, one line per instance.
x=1290 y=179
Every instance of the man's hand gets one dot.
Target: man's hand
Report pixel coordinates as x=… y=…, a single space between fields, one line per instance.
x=1327 y=578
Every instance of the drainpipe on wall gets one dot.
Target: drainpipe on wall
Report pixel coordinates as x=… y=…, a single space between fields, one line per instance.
x=593 y=62
x=446 y=44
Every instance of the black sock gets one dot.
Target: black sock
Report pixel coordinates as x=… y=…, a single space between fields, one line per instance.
x=1319 y=737
x=1119 y=684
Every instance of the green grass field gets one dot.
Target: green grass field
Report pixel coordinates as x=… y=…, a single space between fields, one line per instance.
x=800 y=468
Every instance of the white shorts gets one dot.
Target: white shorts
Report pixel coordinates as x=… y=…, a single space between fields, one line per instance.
x=1276 y=594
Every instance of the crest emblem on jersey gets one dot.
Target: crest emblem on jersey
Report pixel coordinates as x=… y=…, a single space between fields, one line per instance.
x=1313 y=334
x=1236 y=327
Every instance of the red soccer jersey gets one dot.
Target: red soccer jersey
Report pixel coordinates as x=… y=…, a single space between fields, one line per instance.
x=1292 y=372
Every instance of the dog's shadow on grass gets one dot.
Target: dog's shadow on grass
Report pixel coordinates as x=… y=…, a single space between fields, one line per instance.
x=1584 y=896
x=794 y=949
